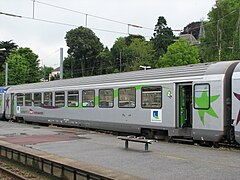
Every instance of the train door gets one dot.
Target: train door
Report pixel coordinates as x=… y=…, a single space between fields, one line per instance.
x=184 y=105
x=12 y=106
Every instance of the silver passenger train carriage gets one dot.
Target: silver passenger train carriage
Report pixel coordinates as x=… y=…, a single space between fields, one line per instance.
x=200 y=102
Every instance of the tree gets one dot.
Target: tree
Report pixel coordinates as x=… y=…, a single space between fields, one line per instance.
x=222 y=32
x=68 y=68
x=162 y=37
x=44 y=72
x=105 y=62
x=129 y=39
x=119 y=55
x=17 y=69
x=142 y=53
x=128 y=53
x=33 y=64
x=84 y=46
x=22 y=67
x=9 y=46
x=179 y=53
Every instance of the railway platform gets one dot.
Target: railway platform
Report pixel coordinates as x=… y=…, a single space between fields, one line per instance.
x=105 y=154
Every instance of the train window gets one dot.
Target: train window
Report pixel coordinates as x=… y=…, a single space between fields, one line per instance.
x=28 y=99
x=201 y=96
x=127 y=98
x=73 y=98
x=106 y=98
x=47 y=98
x=20 y=100
x=88 y=98
x=60 y=99
x=37 y=99
x=152 y=97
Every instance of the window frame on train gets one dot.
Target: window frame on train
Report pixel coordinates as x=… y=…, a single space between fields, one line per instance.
x=50 y=99
x=109 y=103
x=22 y=101
x=70 y=94
x=37 y=102
x=88 y=103
x=142 y=98
x=194 y=95
x=61 y=102
x=124 y=94
x=28 y=99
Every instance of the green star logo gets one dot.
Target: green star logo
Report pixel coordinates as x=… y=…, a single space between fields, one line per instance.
x=203 y=102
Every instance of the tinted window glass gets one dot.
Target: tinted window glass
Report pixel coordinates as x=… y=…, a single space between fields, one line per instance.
x=152 y=97
x=73 y=98
x=60 y=99
x=88 y=97
x=28 y=99
x=202 y=96
x=106 y=98
x=48 y=98
x=127 y=97
x=37 y=99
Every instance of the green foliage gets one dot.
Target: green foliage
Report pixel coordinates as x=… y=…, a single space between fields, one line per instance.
x=33 y=64
x=17 y=69
x=141 y=53
x=105 y=63
x=44 y=72
x=84 y=46
x=222 y=32
x=22 y=67
x=130 y=52
x=119 y=55
x=9 y=46
x=68 y=68
x=179 y=53
x=162 y=37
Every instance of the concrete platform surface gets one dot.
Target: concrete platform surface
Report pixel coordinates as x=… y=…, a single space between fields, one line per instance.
x=162 y=161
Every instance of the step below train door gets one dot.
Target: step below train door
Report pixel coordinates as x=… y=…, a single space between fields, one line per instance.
x=184 y=105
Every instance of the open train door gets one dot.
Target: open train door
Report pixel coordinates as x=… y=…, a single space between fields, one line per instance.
x=184 y=105
x=236 y=102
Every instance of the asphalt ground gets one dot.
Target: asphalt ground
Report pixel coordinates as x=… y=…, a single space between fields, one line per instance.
x=163 y=160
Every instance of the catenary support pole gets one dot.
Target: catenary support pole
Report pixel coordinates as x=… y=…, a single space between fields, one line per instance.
x=61 y=63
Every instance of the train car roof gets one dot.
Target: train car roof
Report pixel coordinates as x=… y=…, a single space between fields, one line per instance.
x=160 y=73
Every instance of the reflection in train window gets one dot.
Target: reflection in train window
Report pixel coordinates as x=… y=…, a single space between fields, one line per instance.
x=73 y=98
x=28 y=99
x=60 y=99
x=37 y=99
x=127 y=98
x=152 y=97
x=201 y=96
x=20 y=100
x=106 y=98
x=48 y=98
x=88 y=98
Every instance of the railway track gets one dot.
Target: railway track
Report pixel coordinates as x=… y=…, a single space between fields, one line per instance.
x=11 y=170
x=9 y=174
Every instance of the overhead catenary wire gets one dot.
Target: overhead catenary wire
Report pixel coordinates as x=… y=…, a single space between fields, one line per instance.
x=59 y=23
x=95 y=16
x=91 y=15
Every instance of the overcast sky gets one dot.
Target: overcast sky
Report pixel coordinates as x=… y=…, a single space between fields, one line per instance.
x=45 y=39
